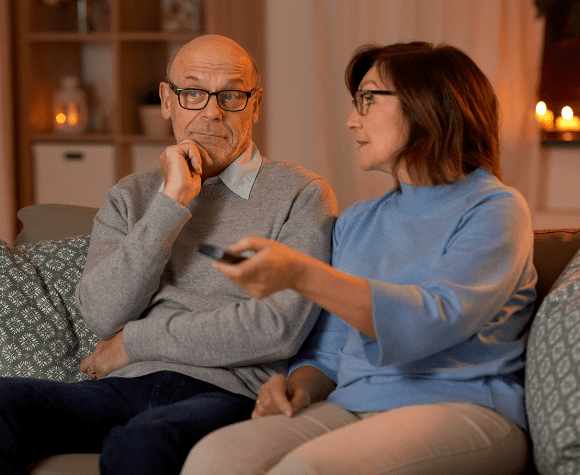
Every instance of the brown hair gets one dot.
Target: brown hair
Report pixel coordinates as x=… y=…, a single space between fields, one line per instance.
x=448 y=102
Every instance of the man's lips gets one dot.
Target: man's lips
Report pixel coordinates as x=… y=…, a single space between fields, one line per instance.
x=209 y=134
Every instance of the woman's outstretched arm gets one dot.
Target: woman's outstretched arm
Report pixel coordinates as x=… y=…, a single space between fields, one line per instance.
x=275 y=267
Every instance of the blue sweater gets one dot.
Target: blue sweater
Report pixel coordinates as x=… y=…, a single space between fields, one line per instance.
x=453 y=286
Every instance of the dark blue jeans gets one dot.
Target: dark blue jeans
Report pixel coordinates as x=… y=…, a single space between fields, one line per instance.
x=143 y=425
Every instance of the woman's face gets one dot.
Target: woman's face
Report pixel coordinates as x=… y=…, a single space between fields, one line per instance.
x=383 y=130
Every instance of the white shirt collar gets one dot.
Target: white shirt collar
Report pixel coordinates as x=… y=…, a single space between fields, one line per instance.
x=240 y=175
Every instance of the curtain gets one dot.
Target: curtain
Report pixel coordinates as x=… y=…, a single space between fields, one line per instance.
x=7 y=191
x=309 y=43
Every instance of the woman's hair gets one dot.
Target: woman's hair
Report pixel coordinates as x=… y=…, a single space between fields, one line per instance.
x=448 y=102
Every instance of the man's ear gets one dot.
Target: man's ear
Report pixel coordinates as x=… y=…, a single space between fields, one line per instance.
x=165 y=95
x=259 y=94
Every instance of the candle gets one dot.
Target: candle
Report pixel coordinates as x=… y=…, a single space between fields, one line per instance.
x=544 y=116
x=568 y=121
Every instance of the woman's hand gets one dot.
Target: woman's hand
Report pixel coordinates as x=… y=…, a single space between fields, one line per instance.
x=273 y=267
x=279 y=396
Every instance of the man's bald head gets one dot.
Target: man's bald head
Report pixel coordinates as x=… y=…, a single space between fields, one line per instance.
x=218 y=45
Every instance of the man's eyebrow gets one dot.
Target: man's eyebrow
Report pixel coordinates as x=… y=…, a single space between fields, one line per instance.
x=231 y=84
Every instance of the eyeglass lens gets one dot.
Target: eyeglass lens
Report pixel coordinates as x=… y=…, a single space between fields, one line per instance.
x=360 y=102
x=228 y=100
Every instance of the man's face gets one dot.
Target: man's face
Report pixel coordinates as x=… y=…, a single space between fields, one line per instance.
x=213 y=65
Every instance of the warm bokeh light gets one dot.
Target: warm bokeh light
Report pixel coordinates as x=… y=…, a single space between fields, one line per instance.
x=544 y=116
x=60 y=118
x=541 y=108
x=73 y=114
x=568 y=121
x=567 y=113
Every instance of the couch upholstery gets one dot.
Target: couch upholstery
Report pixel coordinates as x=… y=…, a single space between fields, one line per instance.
x=553 y=249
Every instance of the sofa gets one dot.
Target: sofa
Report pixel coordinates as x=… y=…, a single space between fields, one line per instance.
x=50 y=251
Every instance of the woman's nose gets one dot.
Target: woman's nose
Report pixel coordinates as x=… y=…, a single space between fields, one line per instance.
x=353 y=120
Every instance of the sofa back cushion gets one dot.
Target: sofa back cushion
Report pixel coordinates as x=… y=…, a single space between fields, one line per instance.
x=553 y=249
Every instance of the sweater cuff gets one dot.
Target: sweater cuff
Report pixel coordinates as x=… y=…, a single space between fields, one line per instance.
x=140 y=339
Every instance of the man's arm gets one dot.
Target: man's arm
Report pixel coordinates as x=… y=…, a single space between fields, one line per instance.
x=124 y=266
x=124 y=263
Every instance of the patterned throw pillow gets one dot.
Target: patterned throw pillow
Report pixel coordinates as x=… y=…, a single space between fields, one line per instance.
x=553 y=377
x=42 y=334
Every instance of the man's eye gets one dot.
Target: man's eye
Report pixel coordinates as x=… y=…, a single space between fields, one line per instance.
x=192 y=94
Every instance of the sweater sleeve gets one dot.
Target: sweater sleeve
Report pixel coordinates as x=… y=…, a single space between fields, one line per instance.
x=322 y=347
x=242 y=332
x=482 y=287
x=123 y=267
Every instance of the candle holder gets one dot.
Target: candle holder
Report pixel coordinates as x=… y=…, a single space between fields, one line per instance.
x=70 y=113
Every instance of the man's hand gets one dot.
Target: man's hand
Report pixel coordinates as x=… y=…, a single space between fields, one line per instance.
x=279 y=396
x=109 y=355
x=181 y=165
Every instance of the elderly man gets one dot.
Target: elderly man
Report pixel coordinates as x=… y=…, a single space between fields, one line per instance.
x=182 y=350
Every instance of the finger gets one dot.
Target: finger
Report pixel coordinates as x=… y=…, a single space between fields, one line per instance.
x=299 y=401
x=195 y=155
x=250 y=243
x=85 y=364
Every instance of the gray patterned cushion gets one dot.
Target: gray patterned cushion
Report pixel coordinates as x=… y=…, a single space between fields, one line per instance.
x=553 y=376
x=42 y=334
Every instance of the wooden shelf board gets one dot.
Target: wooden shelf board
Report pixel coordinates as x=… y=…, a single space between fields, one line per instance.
x=73 y=37
x=111 y=138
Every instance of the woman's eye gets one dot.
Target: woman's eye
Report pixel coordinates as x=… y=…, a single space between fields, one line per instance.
x=369 y=99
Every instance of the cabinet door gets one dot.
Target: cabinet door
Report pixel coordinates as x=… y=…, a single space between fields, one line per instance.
x=76 y=174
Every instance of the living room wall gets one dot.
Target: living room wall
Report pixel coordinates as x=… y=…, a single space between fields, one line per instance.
x=309 y=43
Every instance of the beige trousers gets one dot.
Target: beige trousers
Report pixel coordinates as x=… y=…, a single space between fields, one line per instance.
x=324 y=439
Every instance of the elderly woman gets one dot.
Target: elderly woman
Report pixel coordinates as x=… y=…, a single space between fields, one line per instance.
x=414 y=366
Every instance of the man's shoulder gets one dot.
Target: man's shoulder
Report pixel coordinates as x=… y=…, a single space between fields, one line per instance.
x=278 y=170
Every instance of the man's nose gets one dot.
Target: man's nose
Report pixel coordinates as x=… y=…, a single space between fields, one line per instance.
x=212 y=109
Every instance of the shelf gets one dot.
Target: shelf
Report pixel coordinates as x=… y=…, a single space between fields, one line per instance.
x=154 y=36
x=121 y=56
x=559 y=139
x=70 y=37
x=107 y=138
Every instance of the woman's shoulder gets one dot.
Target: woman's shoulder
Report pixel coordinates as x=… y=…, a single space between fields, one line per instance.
x=489 y=189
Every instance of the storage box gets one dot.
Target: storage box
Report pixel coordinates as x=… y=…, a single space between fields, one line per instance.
x=76 y=174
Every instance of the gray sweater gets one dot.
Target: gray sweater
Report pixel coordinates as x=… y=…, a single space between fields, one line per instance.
x=143 y=275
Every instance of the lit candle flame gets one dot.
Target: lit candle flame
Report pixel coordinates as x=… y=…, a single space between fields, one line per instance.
x=541 y=108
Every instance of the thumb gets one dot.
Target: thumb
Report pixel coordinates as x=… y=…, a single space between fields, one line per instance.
x=299 y=400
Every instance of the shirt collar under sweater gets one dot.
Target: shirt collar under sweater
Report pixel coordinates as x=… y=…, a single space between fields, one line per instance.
x=420 y=200
x=240 y=175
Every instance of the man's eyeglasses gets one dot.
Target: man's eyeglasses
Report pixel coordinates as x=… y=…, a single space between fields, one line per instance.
x=362 y=99
x=197 y=99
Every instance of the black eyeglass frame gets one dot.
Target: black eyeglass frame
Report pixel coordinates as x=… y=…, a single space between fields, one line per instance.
x=358 y=104
x=178 y=91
